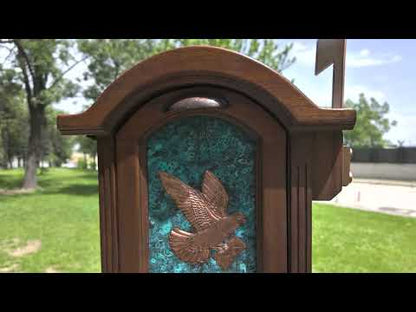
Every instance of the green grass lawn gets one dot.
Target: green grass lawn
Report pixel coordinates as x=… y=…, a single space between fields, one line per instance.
x=350 y=240
x=57 y=229
x=63 y=216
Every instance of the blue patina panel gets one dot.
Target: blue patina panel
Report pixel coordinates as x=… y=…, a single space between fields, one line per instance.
x=186 y=148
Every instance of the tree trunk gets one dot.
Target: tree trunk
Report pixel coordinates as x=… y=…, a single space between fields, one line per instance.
x=6 y=148
x=37 y=120
x=3 y=163
x=95 y=161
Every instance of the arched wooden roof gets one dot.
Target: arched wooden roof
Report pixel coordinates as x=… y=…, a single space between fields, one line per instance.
x=203 y=65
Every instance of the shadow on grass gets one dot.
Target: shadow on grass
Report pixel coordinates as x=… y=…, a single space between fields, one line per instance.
x=89 y=176
x=10 y=181
x=76 y=182
x=74 y=189
x=51 y=186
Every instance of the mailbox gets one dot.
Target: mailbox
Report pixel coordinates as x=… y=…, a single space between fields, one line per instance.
x=209 y=162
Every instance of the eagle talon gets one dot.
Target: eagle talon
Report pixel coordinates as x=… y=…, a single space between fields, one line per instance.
x=221 y=248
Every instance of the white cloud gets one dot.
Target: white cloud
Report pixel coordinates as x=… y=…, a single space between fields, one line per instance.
x=396 y=58
x=404 y=130
x=306 y=54
x=322 y=94
x=364 y=52
x=352 y=92
x=365 y=58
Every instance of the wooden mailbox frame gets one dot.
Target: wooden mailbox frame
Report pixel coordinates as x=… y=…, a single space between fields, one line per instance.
x=133 y=105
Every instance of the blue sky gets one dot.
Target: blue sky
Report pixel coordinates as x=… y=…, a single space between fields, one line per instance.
x=383 y=69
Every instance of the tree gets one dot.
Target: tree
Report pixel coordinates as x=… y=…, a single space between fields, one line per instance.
x=13 y=120
x=14 y=128
x=109 y=58
x=56 y=148
x=88 y=146
x=371 y=123
x=37 y=65
x=267 y=51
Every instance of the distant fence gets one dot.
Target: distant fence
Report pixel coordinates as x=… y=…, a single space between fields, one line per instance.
x=384 y=163
x=384 y=171
x=402 y=155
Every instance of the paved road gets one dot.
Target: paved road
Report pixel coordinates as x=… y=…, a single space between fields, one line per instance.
x=393 y=197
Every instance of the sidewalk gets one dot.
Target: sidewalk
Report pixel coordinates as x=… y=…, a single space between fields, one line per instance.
x=386 y=196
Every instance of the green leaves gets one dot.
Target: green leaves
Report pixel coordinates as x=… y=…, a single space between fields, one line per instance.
x=267 y=51
x=110 y=58
x=57 y=149
x=371 y=123
x=13 y=120
x=39 y=66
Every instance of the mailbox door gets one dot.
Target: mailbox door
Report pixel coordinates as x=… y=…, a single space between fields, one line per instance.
x=210 y=141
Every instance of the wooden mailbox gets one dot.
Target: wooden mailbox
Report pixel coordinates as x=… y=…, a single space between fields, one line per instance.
x=209 y=162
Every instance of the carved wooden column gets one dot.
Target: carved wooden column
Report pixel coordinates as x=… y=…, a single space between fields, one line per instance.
x=108 y=210
x=299 y=209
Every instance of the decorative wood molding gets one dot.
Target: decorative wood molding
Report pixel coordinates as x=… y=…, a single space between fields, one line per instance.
x=109 y=226
x=327 y=164
x=197 y=66
x=299 y=208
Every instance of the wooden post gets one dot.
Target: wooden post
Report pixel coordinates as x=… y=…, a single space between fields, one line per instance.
x=298 y=157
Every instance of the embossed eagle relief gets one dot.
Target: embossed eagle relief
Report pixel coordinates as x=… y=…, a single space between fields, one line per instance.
x=206 y=211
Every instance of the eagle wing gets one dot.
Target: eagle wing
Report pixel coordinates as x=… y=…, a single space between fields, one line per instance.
x=191 y=202
x=215 y=193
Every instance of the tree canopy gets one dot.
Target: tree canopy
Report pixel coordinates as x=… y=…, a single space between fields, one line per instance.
x=107 y=59
x=110 y=58
x=39 y=67
x=13 y=120
x=33 y=76
x=371 y=124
